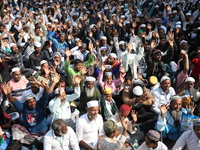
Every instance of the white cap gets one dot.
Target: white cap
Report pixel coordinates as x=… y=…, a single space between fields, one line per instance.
x=108 y=74
x=90 y=79
x=121 y=42
x=156 y=6
x=57 y=90
x=113 y=55
x=137 y=90
x=15 y=69
x=37 y=44
x=183 y=41
x=122 y=16
x=188 y=14
x=189 y=79
x=43 y=62
x=127 y=22
x=91 y=26
x=103 y=38
x=105 y=8
x=77 y=39
x=164 y=78
x=143 y=26
x=92 y=103
x=113 y=15
x=178 y=23
x=102 y=48
x=55 y=20
x=12 y=44
x=178 y=26
x=29 y=96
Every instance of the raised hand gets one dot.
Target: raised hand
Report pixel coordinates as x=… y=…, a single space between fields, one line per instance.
x=68 y=53
x=6 y=89
x=152 y=45
x=56 y=78
x=149 y=26
x=130 y=47
x=77 y=80
x=134 y=115
x=121 y=69
x=125 y=124
x=103 y=68
x=163 y=108
x=191 y=107
x=171 y=43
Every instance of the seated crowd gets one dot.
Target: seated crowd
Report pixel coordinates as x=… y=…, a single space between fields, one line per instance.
x=99 y=75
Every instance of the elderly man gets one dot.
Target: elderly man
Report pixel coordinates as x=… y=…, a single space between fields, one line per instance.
x=18 y=84
x=189 y=139
x=33 y=114
x=185 y=92
x=169 y=120
x=88 y=92
x=89 y=127
x=60 y=106
x=162 y=94
x=120 y=117
x=60 y=137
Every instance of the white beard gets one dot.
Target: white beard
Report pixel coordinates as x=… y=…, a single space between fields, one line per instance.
x=89 y=92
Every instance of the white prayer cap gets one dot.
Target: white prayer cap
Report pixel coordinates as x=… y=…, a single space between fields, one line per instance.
x=91 y=26
x=183 y=41
x=108 y=74
x=105 y=8
x=12 y=44
x=178 y=23
x=92 y=103
x=138 y=91
x=57 y=90
x=29 y=96
x=103 y=38
x=102 y=48
x=196 y=122
x=127 y=22
x=113 y=55
x=122 y=16
x=15 y=69
x=87 y=12
x=164 y=78
x=5 y=36
x=143 y=26
x=156 y=6
x=90 y=79
x=189 y=79
x=178 y=26
x=121 y=42
x=159 y=19
x=77 y=39
x=188 y=14
x=113 y=15
x=43 y=62
x=175 y=97
x=49 y=23
x=198 y=28
x=75 y=24
x=37 y=44
x=174 y=11
x=55 y=20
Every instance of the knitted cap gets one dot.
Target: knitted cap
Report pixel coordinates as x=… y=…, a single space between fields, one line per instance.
x=109 y=126
x=153 y=135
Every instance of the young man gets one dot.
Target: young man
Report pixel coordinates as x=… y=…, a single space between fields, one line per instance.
x=152 y=142
x=109 y=141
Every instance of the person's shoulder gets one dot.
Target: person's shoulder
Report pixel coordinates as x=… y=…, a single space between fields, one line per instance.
x=49 y=133
x=162 y=145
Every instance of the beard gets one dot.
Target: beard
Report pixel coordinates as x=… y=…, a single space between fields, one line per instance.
x=89 y=92
x=176 y=115
x=91 y=117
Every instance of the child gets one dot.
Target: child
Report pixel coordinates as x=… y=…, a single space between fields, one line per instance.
x=152 y=142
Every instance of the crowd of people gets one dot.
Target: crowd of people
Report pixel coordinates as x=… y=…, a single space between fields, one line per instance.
x=99 y=75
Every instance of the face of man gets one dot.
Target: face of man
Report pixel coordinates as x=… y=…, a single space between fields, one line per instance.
x=128 y=82
x=162 y=41
x=35 y=88
x=37 y=31
x=176 y=104
x=57 y=58
x=110 y=60
x=63 y=129
x=93 y=112
x=61 y=85
x=45 y=66
x=122 y=47
x=31 y=103
x=108 y=79
x=78 y=67
x=122 y=116
x=189 y=85
x=157 y=56
x=165 y=85
x=16 y=76
x=103 y=52
x=150 y=143
x=104 y=41
x=184 y=46
x=109 y=97
x=197 y=131
x=90 y=84
x=63 y=96
x=37 y=50
x=62 y=38
x=15 y=49
x=83 y=49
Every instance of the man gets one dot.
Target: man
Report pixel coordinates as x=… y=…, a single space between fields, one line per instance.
x=120 y=117
x=162 y=94
x=109 y=141
x=185 y=92
x=78 y=68
x=36 y=57
x=33 y=114
x=60 y=106
x=81 y=54
x=189 y=139
x=152 y=142
x=169 y=120
x=60 y=137
x=88 y=93
x=18 y=83
x=89 y=127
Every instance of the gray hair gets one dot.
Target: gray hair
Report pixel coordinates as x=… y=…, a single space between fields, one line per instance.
x=56 y=126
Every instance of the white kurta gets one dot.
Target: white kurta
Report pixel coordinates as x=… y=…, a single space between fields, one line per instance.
x=161 y=146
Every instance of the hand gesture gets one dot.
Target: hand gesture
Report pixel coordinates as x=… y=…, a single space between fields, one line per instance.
x=149 y=26
x=56 y=78
x=125 y=124
x=33 y=80
x=153 y=45
x=6 y=89
x=95 y=63
x=171 y=43
x=164 y=108
x=134 y=24
x=41 y=34
x=134 y=115
x=84 y=70
x=44 y=85
x=90 y=46
x=121 y=69
x=122 y=79
x=130 y=47
x=77 y=80
x=56 y=63
x=103 y=68
x=47 y=71
x=68 y=53
x=191 y=106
